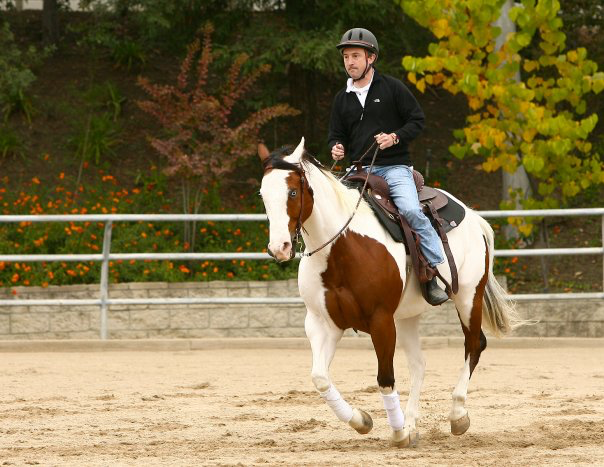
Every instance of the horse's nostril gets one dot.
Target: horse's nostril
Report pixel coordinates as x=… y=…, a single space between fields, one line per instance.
x=286 y=246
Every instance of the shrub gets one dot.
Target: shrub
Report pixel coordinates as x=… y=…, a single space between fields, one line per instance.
x=15 y=75
x=10 y=144
x=202 y=143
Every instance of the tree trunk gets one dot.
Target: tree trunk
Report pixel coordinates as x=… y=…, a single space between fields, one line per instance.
x=517 y=181
x=50 y=22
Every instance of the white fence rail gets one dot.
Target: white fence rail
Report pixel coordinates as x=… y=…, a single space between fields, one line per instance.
x=108 y=219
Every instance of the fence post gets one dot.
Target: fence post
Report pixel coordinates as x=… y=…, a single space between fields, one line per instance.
x=105 y=277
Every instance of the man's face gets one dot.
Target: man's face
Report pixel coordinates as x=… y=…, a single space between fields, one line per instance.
x=356 y=60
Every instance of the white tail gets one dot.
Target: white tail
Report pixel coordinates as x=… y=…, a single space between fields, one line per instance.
x=498 y=312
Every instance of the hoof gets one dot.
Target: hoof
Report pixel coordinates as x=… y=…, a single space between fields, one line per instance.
x=459 y=427
x=405 y=438
x=361 y=421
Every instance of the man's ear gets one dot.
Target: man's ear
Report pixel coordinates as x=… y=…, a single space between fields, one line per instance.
x=263 y=152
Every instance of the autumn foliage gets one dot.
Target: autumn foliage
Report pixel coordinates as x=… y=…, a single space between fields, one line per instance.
x=527 y=94
x=201 y=141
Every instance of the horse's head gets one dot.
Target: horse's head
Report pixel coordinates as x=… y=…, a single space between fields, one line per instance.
x=287 y=197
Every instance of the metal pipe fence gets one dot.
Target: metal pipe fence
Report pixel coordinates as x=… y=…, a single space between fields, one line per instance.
x=104 y=301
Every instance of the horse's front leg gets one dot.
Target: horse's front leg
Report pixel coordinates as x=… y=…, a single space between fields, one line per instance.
x=407 y=334
x=383 y=335
x=323 y=337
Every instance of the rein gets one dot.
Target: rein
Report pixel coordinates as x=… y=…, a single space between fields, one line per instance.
x=357 y=164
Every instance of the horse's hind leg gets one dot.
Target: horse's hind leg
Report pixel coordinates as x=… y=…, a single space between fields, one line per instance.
x=407 y=334
x=383 y=335
x=323 y=337
x=469 y=309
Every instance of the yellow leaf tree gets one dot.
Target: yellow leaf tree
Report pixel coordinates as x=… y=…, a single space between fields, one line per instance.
x=538 y=121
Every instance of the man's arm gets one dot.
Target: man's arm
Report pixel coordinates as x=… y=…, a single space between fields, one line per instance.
x=411 y=112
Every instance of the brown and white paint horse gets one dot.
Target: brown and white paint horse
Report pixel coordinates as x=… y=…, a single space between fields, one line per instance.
x=360 y=281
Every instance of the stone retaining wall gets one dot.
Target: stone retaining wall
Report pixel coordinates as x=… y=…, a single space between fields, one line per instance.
x=561 y=318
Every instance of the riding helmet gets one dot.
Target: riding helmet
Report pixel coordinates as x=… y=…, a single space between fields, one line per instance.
x=359 y=37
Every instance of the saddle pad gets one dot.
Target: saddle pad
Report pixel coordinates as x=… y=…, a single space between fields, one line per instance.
x=452 y=213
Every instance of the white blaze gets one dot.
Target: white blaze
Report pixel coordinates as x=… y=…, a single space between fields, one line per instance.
x=274 y=194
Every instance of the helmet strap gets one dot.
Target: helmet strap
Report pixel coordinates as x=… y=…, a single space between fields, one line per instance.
x=367 y=68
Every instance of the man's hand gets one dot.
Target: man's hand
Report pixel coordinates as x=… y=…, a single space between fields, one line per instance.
x=385 y=141
x=337 y=151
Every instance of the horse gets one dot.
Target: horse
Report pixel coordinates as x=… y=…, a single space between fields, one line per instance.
x=358 y=279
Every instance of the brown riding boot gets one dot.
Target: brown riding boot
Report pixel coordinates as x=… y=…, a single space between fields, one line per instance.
x=435 y=295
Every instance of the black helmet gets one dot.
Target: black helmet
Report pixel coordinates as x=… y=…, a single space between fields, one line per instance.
x=359 y=37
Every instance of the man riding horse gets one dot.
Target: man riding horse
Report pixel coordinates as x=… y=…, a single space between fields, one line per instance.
x=378 y=109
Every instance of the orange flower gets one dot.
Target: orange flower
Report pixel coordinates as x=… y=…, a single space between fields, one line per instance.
x=46 y=157
x=51 y=275
x=515 y=259
x=36 y=180
x=62 y=175
x=15 y=278
x=184 y=269
x=230 y=275
x=143 y=234
x=71 y=272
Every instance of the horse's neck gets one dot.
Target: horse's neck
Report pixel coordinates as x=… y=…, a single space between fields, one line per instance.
x=328 y=214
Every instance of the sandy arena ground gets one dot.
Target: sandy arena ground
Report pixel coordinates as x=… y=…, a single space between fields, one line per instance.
x=248 y=407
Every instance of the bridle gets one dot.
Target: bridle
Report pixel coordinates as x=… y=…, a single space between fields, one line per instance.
x=295 y=238
x=296 y=242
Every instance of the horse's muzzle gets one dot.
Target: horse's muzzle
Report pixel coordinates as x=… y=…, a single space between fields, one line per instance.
x=284 y=252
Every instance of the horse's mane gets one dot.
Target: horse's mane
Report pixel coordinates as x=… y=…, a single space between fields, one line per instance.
x=348 y=197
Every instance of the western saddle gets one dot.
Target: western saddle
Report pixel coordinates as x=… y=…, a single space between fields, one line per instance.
x=377 y=193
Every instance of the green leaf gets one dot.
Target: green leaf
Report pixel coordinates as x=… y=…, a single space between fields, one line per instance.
x=523 y=39
x=409 y=63
x=597 y=83
x=458 y=150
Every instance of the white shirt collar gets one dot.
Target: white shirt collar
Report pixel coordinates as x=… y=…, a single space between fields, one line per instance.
x=350 y=87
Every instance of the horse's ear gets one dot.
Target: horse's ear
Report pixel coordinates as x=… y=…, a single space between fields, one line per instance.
x=299 y=150
x=263 y=152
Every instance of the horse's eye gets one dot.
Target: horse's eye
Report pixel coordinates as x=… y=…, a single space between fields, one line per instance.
x=293 y=193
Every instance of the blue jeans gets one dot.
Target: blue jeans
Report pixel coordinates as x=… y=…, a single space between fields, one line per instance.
x=404 y=195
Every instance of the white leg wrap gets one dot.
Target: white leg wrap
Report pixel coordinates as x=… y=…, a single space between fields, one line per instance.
x=392 y=404
x=340 y=407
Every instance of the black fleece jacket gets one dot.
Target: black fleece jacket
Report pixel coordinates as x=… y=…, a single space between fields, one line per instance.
x=389 y=108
